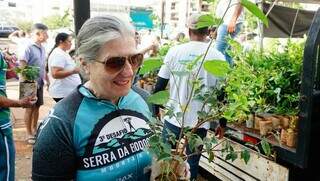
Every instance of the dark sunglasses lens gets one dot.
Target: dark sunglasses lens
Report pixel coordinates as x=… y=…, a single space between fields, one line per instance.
x=115 y=64
x=136 y=60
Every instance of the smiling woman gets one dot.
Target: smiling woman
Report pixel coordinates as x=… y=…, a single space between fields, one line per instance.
x=74 y=142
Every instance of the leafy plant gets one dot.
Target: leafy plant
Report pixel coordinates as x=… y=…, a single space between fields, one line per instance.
x=265 y=83
x=210 y=110
x=29 y=73
x=24 y=25
x=57 y=21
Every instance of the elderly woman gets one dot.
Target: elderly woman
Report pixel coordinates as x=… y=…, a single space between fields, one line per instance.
x=99 y=131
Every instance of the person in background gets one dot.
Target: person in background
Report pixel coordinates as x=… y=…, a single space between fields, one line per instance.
x=176 y=60
x=20 y=38
x=153 y=46
x=180 y=37
x=34 y=55
x=91 y=134
x=232 y=22
x=62 y=69
x=7 y=156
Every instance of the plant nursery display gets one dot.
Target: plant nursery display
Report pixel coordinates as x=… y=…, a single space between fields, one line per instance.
x=169 y=158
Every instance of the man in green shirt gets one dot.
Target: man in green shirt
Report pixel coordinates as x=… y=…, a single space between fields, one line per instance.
x=6 y=139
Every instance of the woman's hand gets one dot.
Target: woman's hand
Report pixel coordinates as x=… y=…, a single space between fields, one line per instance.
x=183 y=170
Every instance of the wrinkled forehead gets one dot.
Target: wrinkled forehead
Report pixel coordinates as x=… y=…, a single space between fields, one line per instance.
x=122 y=46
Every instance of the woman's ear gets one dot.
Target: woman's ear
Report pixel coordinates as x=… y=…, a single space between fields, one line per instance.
x=84 y=66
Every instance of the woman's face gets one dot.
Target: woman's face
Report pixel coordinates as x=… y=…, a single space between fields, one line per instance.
x=113 y=85
x=67 y=43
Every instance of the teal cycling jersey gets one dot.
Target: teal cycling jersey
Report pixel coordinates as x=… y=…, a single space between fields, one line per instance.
x=85 y=138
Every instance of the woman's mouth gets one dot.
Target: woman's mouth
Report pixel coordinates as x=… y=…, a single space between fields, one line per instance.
x=121 y=82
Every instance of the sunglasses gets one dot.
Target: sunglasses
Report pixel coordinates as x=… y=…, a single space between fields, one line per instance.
x=116 y=64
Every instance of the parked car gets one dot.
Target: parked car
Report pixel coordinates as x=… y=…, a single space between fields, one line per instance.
x=5 y=31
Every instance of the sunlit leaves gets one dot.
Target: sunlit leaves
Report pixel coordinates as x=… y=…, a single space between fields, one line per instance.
x=150 y=65
x=254 y=9
x=159 y=98
x=218 y=68
x=205 y=21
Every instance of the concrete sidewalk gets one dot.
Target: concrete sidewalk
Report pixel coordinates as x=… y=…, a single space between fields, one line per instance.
x=24 y=150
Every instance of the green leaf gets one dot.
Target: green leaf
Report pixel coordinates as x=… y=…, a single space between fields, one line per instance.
x=154 y=139
x=205 y=21
x=211 y=157
x=190 y=65
x=207 y=145
x=29 y=73
x=266 y=147
x=164 y=156
x=159 y=98
x=166 y=148
x=245 y=155
x=214 y=140
x=202 y=114
x=150 y=65
x=194 y=142
x=218 y=68
x=231 y=156
x=255 y=11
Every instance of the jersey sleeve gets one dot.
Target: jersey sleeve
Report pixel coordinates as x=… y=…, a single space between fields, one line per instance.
x=53 y=155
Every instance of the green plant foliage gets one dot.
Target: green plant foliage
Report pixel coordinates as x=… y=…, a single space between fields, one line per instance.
x=57 y=21
x=231 y=156
x=194 y=142
x=205 y=21
x=150 y=65
x=255 y=11
x=264 y=83
x=159 y=98
x=218 y=68
x=245 y=155
x=29 y=73
x=266 y=147
x=212 y=108
x=164 y=49
x=24 y=25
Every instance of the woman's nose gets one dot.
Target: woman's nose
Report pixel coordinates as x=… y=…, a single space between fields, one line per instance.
x=127 y=70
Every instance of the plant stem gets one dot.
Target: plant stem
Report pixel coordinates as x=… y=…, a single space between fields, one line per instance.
x=212 y=149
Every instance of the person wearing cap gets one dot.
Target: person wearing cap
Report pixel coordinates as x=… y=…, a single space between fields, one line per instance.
x=176 y=60
x=231 y=12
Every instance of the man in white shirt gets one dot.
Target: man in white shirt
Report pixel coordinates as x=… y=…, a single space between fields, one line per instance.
x=232 y=13
x=176 y=60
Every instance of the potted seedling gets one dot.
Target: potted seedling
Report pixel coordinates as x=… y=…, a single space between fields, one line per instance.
x=28 y=80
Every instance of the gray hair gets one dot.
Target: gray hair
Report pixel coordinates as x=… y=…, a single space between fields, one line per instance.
x=97 y=31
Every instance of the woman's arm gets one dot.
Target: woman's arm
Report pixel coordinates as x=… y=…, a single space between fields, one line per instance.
x=61 y=73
